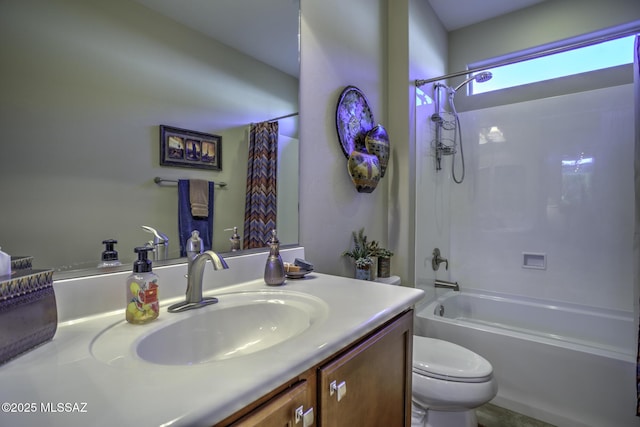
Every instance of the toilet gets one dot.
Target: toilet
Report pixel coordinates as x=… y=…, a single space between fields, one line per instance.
x=449 y=381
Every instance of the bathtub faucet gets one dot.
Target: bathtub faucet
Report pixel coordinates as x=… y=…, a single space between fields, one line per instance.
x=437 y=260
x=444 y=284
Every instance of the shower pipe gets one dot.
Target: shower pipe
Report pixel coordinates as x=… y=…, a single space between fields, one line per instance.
x=625 y=30
x=441 y=148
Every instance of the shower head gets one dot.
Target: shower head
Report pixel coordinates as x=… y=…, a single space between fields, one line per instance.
x=480 y=78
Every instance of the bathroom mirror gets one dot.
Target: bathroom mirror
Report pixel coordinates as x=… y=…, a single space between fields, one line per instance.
x=84 y=89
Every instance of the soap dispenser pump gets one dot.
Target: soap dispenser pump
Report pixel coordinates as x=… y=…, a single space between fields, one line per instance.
x=142 y=290
x=194 y=246
x=109 y=255
x=234 y=239
x=274 y=270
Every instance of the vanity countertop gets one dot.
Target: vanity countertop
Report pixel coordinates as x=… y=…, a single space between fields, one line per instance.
x=61 y=383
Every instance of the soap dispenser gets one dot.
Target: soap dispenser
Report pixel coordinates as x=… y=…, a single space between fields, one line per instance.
x=234 y=239
x=142 y=290
x=110 y=255
x=194 y=246
x=274 y=270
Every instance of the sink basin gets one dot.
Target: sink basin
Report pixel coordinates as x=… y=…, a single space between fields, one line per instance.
x=239 y=324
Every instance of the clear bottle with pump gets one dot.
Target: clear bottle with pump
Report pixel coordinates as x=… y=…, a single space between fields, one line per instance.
x=194 y=246
x=110 y=255
x=142 y=290
x=234 y=239
x=274 y=269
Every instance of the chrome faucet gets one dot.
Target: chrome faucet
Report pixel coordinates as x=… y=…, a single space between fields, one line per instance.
x=194 y=298
x=160 y=244
x=437 y=260
x=444 y=284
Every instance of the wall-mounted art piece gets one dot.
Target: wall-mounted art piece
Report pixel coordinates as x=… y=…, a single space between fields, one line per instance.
x=364 y=143
x=353 y=120
x=190 y=149
x=377 y=143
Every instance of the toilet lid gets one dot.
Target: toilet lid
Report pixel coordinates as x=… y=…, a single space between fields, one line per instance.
x=448 y=361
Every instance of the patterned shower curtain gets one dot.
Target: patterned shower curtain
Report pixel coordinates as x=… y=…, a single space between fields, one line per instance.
x=261 y=199
x=636 y=236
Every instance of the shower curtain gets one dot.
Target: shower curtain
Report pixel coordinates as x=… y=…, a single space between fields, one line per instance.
x=636 y=236
x=261 y=198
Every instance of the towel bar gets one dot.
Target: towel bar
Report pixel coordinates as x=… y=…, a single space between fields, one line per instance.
x=159 y=180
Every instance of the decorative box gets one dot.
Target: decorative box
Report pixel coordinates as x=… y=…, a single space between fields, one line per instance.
x=21 y=263
x=28 y=312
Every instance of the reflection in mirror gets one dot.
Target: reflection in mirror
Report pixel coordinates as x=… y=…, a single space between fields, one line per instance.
x=85 y=86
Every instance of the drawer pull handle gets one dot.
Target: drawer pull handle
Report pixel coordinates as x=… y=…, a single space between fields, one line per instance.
x=340 y=389
x=305 y=417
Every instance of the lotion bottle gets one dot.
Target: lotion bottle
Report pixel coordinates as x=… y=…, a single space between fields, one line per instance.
x=142 y=290
x=234 y=239
x=274 y=269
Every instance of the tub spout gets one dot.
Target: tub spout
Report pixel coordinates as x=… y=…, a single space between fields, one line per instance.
x=444 y=284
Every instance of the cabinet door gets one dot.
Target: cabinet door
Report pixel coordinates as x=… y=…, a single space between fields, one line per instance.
x=281 y=410
x=370 y=385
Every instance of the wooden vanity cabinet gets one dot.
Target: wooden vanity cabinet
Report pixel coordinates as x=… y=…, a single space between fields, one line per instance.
x=367 y=384
x=286 y=409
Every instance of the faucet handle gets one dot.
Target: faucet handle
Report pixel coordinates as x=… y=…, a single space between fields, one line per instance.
x=437 y=260
x=159 y=237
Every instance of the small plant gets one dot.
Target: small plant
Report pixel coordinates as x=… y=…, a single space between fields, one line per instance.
x=376 y=251
x=385 y=253
x=360 y=253
x=364 y=262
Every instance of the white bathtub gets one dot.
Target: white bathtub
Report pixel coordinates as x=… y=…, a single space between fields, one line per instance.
x=565 y=364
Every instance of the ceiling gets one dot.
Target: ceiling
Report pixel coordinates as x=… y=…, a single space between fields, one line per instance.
x=243 y=24
x=455 y=14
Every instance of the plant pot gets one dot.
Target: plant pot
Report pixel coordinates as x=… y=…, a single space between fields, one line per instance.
x=384 y=266
x=363 y=273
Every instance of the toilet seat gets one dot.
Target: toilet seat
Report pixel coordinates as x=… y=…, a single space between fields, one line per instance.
x=447 y=361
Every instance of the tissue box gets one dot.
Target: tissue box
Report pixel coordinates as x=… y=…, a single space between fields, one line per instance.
x=28 y=312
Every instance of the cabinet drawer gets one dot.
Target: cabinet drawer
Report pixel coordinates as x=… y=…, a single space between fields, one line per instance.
x=281 y=410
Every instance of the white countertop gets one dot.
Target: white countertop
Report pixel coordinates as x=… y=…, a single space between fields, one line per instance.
x=64 y=376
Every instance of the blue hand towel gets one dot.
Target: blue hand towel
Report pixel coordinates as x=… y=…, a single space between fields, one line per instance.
x=187 y=222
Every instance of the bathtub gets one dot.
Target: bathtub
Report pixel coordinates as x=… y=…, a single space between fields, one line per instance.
x=565 y=364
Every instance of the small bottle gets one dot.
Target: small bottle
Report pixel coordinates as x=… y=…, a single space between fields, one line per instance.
x=142 y=290
x=110 y=255
x=194 y=246
x=234 y=239
x=274 y=270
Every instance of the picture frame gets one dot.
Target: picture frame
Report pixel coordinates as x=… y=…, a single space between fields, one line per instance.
x=190 y=149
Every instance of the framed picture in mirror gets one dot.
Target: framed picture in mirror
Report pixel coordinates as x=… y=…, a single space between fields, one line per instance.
x=190 y=149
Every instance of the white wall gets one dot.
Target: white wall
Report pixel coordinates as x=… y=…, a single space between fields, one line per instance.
x=518 y=197
x=84 y=87
x=343 y=43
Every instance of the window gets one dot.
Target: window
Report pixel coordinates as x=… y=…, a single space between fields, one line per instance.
x=599 y=56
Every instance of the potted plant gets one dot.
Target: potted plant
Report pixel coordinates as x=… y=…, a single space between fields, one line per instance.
x=384 y=262
x=384 y=258
x=361 y=254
